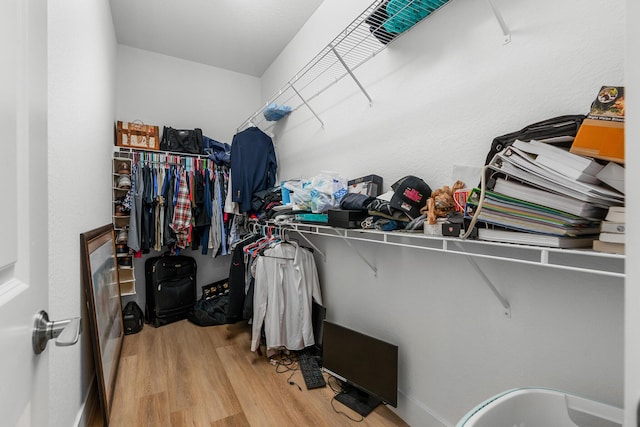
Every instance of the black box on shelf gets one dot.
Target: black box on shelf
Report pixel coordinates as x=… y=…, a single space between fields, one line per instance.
x=451 y=229
x=344 y=218
x=370 y=185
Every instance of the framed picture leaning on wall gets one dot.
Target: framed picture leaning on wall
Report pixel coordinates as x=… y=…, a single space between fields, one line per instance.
x=102 y=289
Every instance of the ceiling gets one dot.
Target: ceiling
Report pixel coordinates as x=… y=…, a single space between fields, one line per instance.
x=238 y=35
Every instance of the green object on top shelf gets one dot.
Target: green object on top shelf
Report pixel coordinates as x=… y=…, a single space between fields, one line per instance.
x=404 y=14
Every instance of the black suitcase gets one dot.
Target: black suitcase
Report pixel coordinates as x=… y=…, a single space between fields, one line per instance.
x=170 y=288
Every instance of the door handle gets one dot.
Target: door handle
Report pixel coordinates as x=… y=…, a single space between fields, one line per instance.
x=65 y=332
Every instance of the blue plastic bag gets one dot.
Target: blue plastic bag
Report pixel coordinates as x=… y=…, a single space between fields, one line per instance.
x=273 y=112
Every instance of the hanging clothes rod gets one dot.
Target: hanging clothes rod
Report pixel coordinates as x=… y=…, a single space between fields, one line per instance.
x=126 y=150
x=283 y=228
x=202 y=165
x=167 y=158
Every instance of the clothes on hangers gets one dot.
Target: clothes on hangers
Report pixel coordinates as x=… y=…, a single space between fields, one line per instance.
x=223 y=216
x=238 y=280
x=207 y=211
x=286 y=284
x=253 y=165
x=159 y=210
x=182 y=214
x=135 y=219
x=168 y=192
x=202 y=220
x=215 y=232
x=147 y=221
x=156 y=187
x=230 y=206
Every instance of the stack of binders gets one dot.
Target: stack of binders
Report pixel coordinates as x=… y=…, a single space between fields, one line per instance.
x=539 y=194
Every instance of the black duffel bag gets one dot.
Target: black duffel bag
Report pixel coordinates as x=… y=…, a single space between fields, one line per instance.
x=209 y=312
x=182 y=140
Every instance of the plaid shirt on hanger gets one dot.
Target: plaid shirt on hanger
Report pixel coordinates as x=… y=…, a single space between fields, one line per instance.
x=182 y=213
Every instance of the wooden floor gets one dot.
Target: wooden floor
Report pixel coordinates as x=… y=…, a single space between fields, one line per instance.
x=185 y=375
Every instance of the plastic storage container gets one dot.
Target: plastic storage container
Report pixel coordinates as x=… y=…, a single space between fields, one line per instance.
x=539 y=407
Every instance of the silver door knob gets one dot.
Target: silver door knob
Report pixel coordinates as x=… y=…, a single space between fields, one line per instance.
x=65 y=332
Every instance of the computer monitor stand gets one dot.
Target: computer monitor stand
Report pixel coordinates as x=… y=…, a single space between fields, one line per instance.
x=361 y=402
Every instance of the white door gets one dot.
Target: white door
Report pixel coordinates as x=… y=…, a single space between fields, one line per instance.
x=23 y=210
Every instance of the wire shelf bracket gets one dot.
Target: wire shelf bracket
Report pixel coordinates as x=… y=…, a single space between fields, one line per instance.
x=346 y=240
x=498 y=295
x=506 y=34
x=353 y=76
x=307 y=104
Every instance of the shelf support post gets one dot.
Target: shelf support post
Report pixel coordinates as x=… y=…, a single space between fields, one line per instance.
x=346 y=240
x=353 y=76
x=307 y=104
x=506 y=34
x=503 y=301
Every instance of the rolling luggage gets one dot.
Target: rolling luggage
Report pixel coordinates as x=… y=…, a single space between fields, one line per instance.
x=170 y=288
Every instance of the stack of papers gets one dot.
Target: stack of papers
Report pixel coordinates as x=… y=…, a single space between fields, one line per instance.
x=546 y=198
x=540 y=194
x=560 y=161
x=505 y=236
x=512 y=213
x=515 y=163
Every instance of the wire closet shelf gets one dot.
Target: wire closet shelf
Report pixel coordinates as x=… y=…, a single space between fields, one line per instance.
x=372 y=31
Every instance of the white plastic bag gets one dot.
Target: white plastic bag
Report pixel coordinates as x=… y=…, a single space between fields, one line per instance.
x=319 y=193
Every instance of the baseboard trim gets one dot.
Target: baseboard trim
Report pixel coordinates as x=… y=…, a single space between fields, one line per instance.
x=89 y=405
x=417 y=414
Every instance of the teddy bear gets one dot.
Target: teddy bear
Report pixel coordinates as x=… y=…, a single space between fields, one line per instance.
x=441 y=202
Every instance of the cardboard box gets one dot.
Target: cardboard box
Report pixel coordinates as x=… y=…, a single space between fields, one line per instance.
x=137 y=135
x=601 y=134
x=370 y=185
x=345 y=218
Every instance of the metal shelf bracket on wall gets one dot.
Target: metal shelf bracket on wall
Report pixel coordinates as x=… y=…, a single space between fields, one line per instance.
x=353 y=76
x=371 y=266
x=304 y=101
x=371 y=32
x=505 y=304
x=506 y=34
x=503 y=301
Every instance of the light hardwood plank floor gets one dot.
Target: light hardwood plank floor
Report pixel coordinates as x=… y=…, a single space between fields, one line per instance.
x=185 y=375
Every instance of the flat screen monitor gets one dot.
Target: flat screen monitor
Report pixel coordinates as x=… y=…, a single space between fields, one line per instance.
x=367 y=365
x=318 y=313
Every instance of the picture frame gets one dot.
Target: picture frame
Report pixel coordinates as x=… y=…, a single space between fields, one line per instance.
x=102 y=289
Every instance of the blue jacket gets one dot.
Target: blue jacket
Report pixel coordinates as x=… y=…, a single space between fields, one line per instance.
x=253 y=165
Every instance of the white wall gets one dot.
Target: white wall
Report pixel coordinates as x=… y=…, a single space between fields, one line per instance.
x=163 y=90
x=632 y=154
x=82 y=54
x=440 y=94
